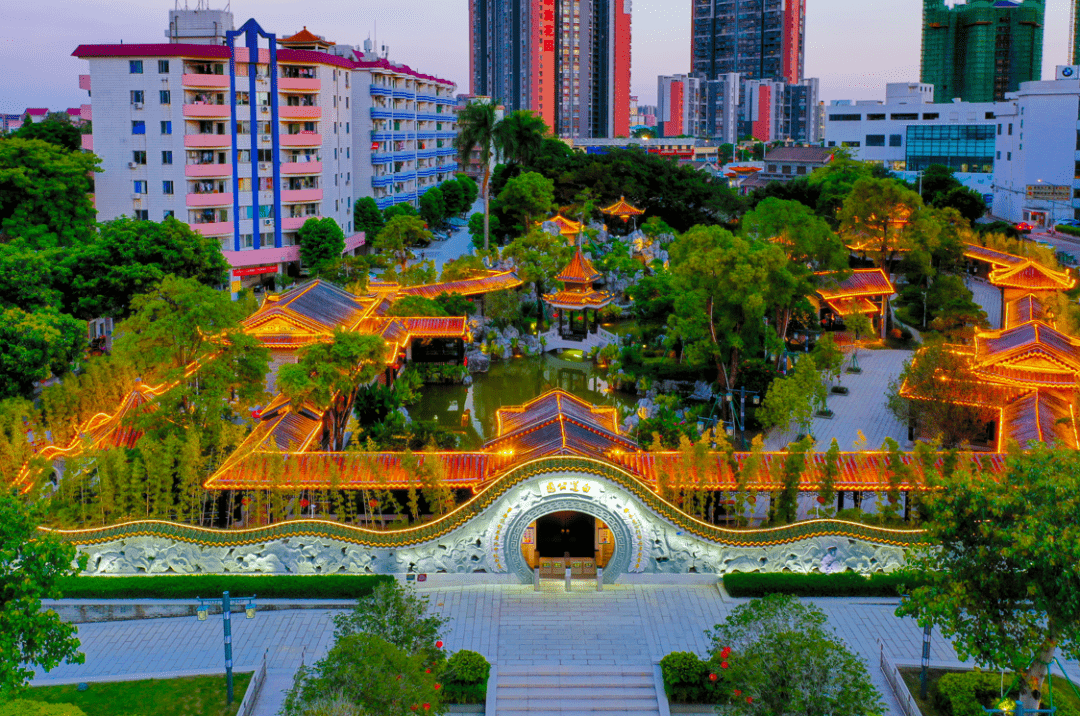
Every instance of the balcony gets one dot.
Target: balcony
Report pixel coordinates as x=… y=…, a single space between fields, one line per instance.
x=301 y=167
x=386 y=180
x=263 y=256
x=207 y=110
x=215 y=228
x=198 y=200
x=208 y=170
x=381 y=91
x=298 y=84
x=301 y=140
x=292 y=223
x=404 y=94
x=301 y=195
x=299 y=112
x=381 y=113
x=88 y=142
x=383 y=158
x=382 y=136
x=194 y=80
x=196 y=141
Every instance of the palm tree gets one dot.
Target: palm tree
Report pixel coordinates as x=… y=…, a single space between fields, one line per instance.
x=520 y=136
x=477 y=130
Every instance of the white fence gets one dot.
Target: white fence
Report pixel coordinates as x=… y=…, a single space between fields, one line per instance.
x=897 y=685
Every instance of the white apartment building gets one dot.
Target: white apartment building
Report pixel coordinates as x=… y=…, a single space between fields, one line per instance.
x=908 y=132
x=245 y=137
x=1037 y=157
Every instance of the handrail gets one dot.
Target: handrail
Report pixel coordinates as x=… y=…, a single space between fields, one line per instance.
x=897 y=685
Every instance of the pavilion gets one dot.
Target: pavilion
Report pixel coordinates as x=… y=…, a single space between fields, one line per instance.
x=567 y=227
x=578 y=296
x=865 y=291
x=622 y=210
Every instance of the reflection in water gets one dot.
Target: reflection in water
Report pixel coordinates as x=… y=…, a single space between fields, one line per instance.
x=471 y=411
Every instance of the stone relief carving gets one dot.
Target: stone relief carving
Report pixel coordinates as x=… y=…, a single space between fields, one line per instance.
x=644 y=542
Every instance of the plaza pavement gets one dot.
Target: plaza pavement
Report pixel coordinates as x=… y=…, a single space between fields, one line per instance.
x=862 y=409
x=511 y=625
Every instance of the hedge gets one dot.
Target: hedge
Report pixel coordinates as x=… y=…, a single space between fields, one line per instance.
x=189 y=586
x=840 y=584
x=1066 y=229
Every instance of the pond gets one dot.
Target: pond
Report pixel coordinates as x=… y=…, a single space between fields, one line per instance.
x=470 y=411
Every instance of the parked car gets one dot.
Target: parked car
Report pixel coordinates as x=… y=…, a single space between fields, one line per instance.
x=1024 y=228
x=1042 y=243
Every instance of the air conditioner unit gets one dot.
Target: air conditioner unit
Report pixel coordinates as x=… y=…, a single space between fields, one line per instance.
x=264 y=109
x=132 y=165
x=137 y=197
x=268 y=222
x=137 y=105
x=264 y=166
x=265 y=138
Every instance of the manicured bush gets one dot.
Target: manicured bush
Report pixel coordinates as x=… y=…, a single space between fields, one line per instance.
x=686 y=679
x=840 y=584
x=323 y=586
x=966 y=693
x=1070 y=230
x=465 y=679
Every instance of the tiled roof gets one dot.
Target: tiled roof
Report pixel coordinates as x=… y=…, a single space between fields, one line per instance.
x=305 y=36
x=1031 y=354
x=494 y=281
x=566 y=226
x=820 y=155
x=1024 y=310
x=37 y=111
x=318 y=306
x=1042 y=417
x=1033 y=277
x=621 y=208
x=993 y=256
x=579 y=270
x=861 y=282
x=574 y=300
x=852 y=305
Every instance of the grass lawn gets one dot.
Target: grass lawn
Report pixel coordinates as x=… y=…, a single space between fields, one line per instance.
x=1063 y=692
x=187 y=696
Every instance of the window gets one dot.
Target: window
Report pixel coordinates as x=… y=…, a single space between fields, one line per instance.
x=169 y=213
x=166 y=157
x=167 y=187
x=845 y=117
x=772 y=168
x=335 y=152
x=800 y=170
x=1010 y=129
x=138 y=127
x=347 y=153
x=961 y=147
x=999 y=130
x=875 y=117
x=346 y=128
x=989 y=115
x=850 y=144
x=135 y=67
x=1008 y=158
x=139 y=186
x=137 y=96
x=142 y=215
x=163 y=67
x=904 y=116
x=786 y=169
x=166 y=127
x=930 y=115
x=999 y=156
x=266 y=155
x=896 y=140
x=246 y=241
x=138 y=156
x=164 y=97
x=875 y=140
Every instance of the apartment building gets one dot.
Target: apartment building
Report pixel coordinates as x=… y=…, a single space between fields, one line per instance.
x=760 y=39
x=245 y=136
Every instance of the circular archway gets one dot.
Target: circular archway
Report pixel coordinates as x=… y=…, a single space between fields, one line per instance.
x=617 y=564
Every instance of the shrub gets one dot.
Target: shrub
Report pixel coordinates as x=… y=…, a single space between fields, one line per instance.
x=322 y=586
x=686 y=679
x=465 y=679
x=1070 y=230
x=840 y=584
x=965 y=694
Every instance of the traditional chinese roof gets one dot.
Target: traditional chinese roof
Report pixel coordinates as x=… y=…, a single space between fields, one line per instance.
x=1041 y=416
x=853 y=304
x=308 y=313
x=861 y=282
x=567 y=227
x=579 y=299
x=579 y=270
x=992 y=256
x=493 y=281
x=558 y=423
x=306 y=37
x=1032 y=354
x=1024 y=310
x=621 y=208
x=1032 y=276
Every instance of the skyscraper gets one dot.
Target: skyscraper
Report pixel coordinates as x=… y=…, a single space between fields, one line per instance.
x=979 y=51
x=760 y=39
x=566 y=60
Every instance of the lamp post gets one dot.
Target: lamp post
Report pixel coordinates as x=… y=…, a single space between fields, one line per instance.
x=742 y=393
x=226 y=619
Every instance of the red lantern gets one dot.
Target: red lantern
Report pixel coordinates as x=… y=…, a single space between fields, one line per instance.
x=245 y=502
x=723 y=664
x=725 y=652
x=304 y=503
x=428 y=671
x=438 y=644
x=713 y=677
x=821 y=500
x=749 y=699
x=373 y=504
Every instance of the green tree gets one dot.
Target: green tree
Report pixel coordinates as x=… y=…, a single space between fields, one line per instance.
x=35 y=345
x=469 y=189
x=416 y=306
x=527 y=196
x=787 y=663
x=795 y=398
x=455 y=304
x=999 y=572
x=329 y=375
x=433 y=207
x=968 y=202
x=467 y=266
x=45 y=193
x=33 y=568
x=503 y=307
x=53 y=130
x=399 y=234
x=402 y=209
x=420 y=273
x=520 y=136
x=399 y=615
x=884 y=216
x=834 y=182
x=454 y=196
x=539 y=257
x=30 y=279
x=477 y=131
x=130 y=257
x=367 y=217
x=321 y=243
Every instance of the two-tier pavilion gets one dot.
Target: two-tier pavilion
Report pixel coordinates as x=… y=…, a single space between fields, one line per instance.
x=622 y=210
x=578 y=296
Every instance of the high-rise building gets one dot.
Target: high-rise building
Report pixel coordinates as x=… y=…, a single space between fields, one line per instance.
x=759 y=39
x=245 y=136
x=979 y=51
x=566 y=60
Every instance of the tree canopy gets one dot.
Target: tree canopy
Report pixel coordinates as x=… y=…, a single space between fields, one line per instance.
x=433 y=207
x=367 y=217
x=321 y=243
x=34 y=346
x=400 y=233
x=54 y=131
x=539 y=257
x=527 y=197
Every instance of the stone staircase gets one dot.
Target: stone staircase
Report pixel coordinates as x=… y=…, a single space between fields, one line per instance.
x=571 y=690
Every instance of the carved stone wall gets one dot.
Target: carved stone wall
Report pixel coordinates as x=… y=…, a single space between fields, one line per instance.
x=645 y=542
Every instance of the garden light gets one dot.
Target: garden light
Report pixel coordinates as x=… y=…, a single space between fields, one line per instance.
x=201 y=614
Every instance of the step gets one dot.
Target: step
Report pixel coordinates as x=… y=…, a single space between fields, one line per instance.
x=577 y=692
x=533 y=706
x=548 y=711
x=613 y=681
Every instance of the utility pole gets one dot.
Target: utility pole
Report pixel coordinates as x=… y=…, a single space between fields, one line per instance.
x=226 y=619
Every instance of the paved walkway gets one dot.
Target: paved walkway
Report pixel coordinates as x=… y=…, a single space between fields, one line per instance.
x=862 y=409
x=626 y=625
x=989 y=299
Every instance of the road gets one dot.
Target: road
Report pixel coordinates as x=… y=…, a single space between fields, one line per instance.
x=459 y=243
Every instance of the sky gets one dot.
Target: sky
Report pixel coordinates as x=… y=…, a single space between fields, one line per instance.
x=853 y=46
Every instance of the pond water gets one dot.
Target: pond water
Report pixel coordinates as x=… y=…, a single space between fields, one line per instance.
x=470 y=411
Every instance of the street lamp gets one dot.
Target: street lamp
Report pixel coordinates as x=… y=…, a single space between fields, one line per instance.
x=226 y=619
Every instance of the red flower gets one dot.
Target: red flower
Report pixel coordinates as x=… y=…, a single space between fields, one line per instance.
x=438 y=686
x=723 y=664
x=399 y=677
x=438 y=644
x=245 y=502
x=712 y=677
x=373 y=503
x=749 y=699
x=738 y=692
x=427 y=707
x=821 y=500
x=725 y=652
x=413 y=707
x=304 y=503
x=429 y=671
